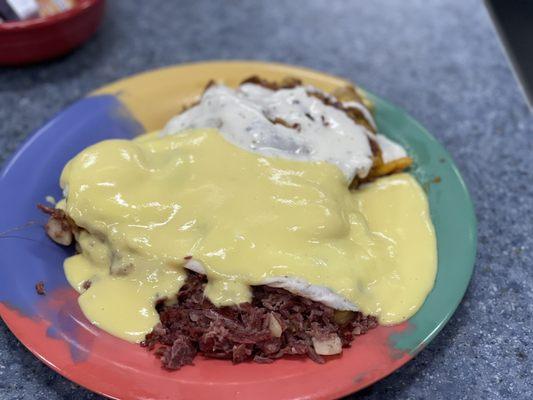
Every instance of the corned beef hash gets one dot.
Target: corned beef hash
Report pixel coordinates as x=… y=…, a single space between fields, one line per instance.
x=263 y=221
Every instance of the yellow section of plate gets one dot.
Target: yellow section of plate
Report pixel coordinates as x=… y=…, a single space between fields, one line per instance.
x=154 y=97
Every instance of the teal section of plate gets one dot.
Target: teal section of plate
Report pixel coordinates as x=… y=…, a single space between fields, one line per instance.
x=452 y=213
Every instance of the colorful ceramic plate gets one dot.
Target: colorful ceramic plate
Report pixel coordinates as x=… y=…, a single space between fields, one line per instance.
x=55 y=330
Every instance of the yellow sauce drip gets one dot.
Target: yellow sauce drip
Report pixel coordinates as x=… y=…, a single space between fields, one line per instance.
x=147 y=204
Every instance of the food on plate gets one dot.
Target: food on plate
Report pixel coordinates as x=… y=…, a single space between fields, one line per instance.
x=40 y=289
x=293 y=121
x=277 y=323
x=266 y=220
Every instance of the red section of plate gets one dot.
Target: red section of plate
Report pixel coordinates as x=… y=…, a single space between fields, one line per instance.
x=122 y=370
x=39 y=39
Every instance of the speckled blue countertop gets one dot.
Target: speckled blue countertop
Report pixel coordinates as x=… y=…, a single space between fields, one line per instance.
x=439 y=60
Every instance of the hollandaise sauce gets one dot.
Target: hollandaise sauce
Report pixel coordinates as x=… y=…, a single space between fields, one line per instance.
x=147 y=206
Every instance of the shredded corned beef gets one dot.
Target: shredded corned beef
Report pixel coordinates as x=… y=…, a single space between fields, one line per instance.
x=39 y=288
x=60 y=227
x=276 y=324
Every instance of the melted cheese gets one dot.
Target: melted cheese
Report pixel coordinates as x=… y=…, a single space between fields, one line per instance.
x=147 y=205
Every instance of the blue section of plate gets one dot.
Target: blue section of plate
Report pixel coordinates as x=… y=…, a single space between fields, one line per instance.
x=31 y=175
